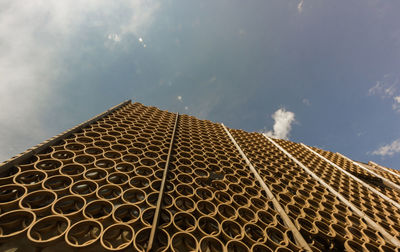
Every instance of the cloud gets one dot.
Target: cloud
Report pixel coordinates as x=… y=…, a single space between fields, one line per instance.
x=34 y=38
x=179 y=98
x=389 y=149
x=300 y=6
x=141 y=41
x=306 y=102
x=387 y=89
x=283 y=124
x=396 y=103
x=114 y=37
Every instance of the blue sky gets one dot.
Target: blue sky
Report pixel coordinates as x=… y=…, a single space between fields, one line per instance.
x=325 y=73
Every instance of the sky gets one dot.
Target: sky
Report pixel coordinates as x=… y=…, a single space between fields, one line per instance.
x=324 y=73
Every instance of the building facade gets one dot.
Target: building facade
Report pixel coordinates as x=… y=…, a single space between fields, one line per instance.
x=136 y=178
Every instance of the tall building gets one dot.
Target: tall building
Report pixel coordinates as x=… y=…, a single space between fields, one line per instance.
x=136 y=178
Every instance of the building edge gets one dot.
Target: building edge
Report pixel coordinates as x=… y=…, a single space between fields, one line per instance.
x=19 y=158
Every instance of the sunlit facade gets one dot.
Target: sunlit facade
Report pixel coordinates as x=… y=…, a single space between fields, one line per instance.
x=137 y=178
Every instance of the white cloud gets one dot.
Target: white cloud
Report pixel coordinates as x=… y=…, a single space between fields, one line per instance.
x=306 y=102
x=114 y=37
x=389 y=149
x=396 y=103
x=33 y=37
x=387 y=89
x=283 y=124
x=300 y=6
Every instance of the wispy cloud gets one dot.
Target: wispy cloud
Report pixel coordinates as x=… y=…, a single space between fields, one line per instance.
x=114 y=37
x=396 y=103
x=389 y=149
x=283 y=124
x=33 y=37
x=388 y=89
x=306 y=102
x=300 y=6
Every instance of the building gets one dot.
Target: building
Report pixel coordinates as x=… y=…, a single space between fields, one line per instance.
x=136 y=178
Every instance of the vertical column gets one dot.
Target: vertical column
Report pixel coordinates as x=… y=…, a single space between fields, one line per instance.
x=161 y=193
x=373 y=224
x=355 y=178
x=299 y=238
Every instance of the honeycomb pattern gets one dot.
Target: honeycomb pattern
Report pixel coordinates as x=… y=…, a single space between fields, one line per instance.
x=363 y=174
x=97 y=190
x=323 y=220
x=378 y=209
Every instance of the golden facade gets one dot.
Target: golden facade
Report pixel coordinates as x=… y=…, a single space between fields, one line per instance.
x=136 y=178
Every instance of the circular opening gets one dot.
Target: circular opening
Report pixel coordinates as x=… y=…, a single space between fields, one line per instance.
x=50 y=228
x=240 y=200
x=74 y=146
x=118 y=178
x=68 y=205
x=105 y=163
x=139 y=182
x=254 y=232
x=126 y=214
x=206 y=207
x=226 y=211
x=48 y=165
x=130 y=158
x=353 y=246
x=124 y=167
x=141 y=239
x=184 y=203
x=98 y=210
x=72 y=170
x=38 y=200
x=84 y=233
x=83 y=188
x=112 y=155
x=15 y=222
x=9 y=173
x=95 y=174
x=57 y=183
x=165 y=218
x=183 y=242
x=236 y=246
x=275 y=235
x=11 y=193
x=208 y=225
x=94 y=151
x=147 y=162
x=152 y=198
x=63 y=155
x=246 y=214
x=147 y=216
x=135 y=151
x=133 y=196
x=222 y=197
x=231 y=229
x=84 y=159
x=30 y=178
x=117 y=237
x=211 y=244
x=184 y=222
x=109 y=192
